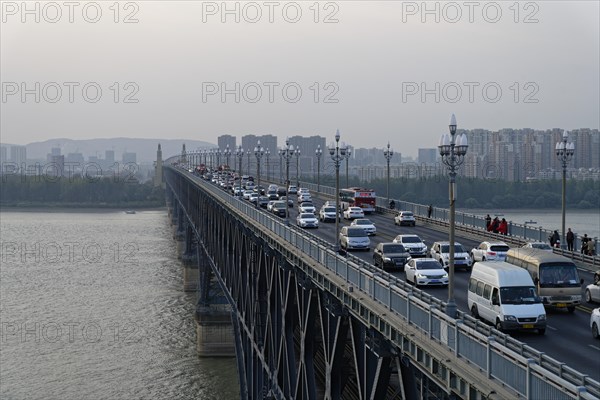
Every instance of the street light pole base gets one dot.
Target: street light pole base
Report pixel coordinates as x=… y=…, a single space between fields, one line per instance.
x=451 y=309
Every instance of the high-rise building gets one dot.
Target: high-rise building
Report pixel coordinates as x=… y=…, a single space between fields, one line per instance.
x=129 y=158
x=226 y=140
x=18 y=155
x=109 y=157
x=427 y=156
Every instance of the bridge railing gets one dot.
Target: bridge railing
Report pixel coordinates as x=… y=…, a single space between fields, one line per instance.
x=524 y=369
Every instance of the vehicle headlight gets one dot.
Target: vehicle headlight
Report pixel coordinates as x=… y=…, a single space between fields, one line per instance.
x=387 y=259
x=445 y=276
x=542 y=317
x=511 y=318
x=419 y=275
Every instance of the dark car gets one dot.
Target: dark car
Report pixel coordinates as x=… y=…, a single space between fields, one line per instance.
x=289 y=202
x=281 y=191
x=279 y=208
x=263 y=201
x=390 y=255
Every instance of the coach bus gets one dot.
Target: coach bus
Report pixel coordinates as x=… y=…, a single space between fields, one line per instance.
x=358 y=197
x=555 y=276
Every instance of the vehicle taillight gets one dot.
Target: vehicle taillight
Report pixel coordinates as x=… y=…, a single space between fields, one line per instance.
x=491 y=253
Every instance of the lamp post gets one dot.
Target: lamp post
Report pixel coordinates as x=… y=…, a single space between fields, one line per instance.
x=318 y=153
x=388 y=153
x=248 y=166
x=210 y=159
x=297 y=168
x=268 y=153
x=564 y=152
x=227 y=153
x=280 y=165
x=218 y=153
x=348 y=154
x=452 y=150
x=258 y=152
x=240 y=155
x=337 y=154
x=287 y=152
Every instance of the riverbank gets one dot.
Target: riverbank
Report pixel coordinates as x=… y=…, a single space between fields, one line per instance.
x=61 y=206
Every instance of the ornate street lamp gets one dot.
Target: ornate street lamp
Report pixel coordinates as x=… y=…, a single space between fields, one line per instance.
x=297 y=167
x=388 y=153
x=564 y=152
x=248 y=152
x=258 y=152
x=348 y=155
x=337 y=154
x=318 y=153
x=268 y=153
x=287 y=152
x=227 y=153
x=452 y=150
x=280 y=165
x=240 y=155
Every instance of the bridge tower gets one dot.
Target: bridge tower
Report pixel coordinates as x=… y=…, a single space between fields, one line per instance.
x=158 y=169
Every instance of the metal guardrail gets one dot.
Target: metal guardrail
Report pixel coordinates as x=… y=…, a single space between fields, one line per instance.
x=530 y=373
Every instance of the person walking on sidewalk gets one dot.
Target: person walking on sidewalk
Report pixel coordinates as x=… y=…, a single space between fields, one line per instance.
x=570 y=239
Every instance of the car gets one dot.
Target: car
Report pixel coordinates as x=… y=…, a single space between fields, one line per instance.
x=249 y=185
x=279 y=208
x=273 y=186
x=354 y=238
x=366 y=224
x=405 y=218
x=490 y=251
x=292 y=189
x=441 y=252
x=272 y=194
x=246 y=194
x=306 y=207
x=307 y=220
x=327 y=213
x=413 y=243
x=353 y=212
x=263 y=201
x=304 y=197
x=259 y=189
x=289 y=202
x=390 y=255
x=425 y=272
x=538 y=245
x=595 y=323
x=237 y=191
x=270 y=205
x=281 y=191
x=253 y=197
x=592 y=291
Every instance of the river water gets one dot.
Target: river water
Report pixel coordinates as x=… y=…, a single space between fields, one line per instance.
x=92 y=307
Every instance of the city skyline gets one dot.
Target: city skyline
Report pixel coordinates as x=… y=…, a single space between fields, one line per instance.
x=378 y=72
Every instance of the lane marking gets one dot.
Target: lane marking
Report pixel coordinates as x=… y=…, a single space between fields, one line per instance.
x=551 y=328
x=594 y=347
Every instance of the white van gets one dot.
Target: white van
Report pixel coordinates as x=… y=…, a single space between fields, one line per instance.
x=504 y=295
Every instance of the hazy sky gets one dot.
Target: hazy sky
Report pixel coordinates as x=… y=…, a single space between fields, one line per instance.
x=378 y=71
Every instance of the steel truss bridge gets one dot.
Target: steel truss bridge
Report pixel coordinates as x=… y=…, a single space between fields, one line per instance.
x=312 y=324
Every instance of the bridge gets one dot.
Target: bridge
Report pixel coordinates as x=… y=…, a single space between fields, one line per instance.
x=307 y=322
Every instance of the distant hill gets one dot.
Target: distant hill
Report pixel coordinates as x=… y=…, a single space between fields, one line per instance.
x=144 y=148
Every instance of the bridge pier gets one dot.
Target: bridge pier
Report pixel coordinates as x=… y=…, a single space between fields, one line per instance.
x=214 y=331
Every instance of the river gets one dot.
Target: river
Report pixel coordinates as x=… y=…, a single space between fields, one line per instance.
x=92 y=307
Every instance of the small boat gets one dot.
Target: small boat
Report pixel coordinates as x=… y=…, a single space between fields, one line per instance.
x=530 y=222
x=130 y=212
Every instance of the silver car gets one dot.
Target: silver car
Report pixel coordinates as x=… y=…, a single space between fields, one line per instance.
x=592 y=291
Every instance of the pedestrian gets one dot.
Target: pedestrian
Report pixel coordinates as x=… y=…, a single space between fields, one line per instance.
x=488 y=222
x=429 y=211
x=591 y=248
x=503 y=227
x=570 y=239
x=495 y=225
x=392 y=204
x=584 y=241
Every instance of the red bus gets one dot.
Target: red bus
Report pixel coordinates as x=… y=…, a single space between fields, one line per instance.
x=358 y=197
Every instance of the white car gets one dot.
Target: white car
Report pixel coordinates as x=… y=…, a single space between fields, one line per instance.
x=592 y=291
x=354 y=212
x=302 y=197
x=270 y=205
x=327 y=213
x=366 y=224
x=247 y=193
x=306 y=207
x=354 y=238
x=405 y=218
x=413 y=244
x=441 y=252
x=426 y=272
x=307 y=220
x=303 y=190
x=538 y=245
x=490 y=251
x=292 y=189
x=595 y=323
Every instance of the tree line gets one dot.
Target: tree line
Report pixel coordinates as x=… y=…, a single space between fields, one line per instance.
x=484 y=193
x=108 y=192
